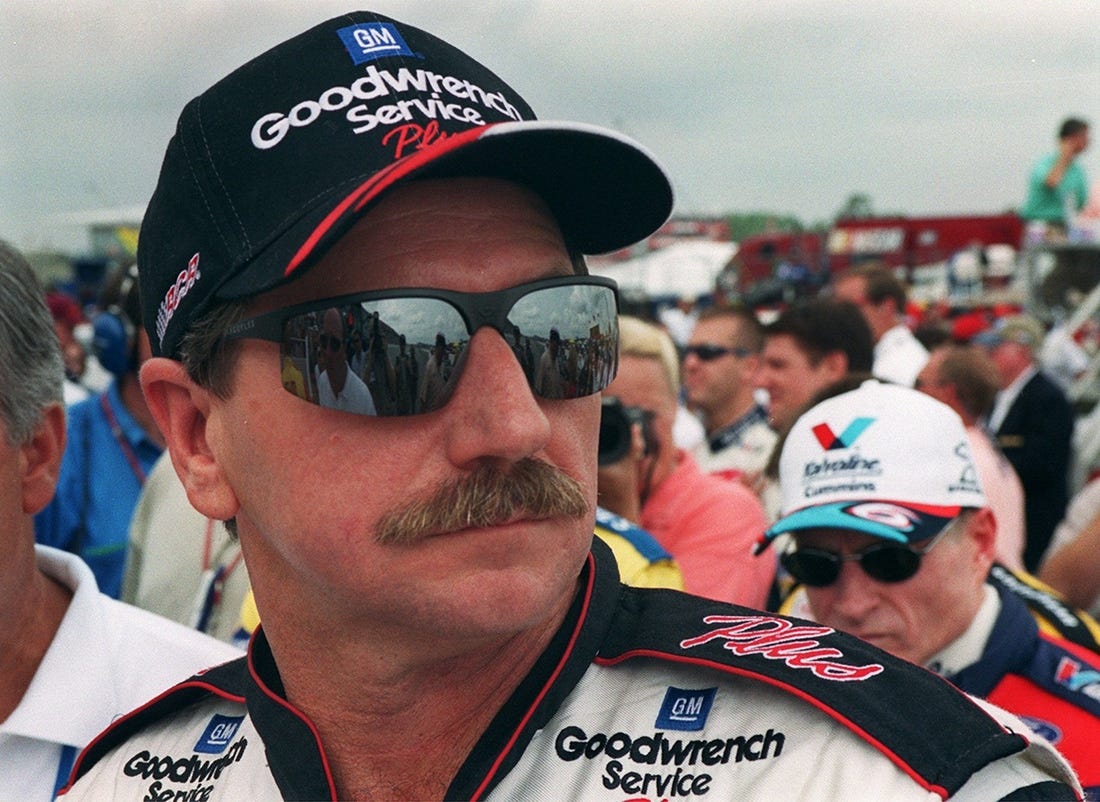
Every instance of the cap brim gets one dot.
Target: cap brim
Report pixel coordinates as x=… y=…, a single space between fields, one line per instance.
x=900 y=522
x=605 y=191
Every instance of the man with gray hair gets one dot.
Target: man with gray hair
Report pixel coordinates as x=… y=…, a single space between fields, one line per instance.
x=1033 y=422
x=73 y=659
x=890 y=535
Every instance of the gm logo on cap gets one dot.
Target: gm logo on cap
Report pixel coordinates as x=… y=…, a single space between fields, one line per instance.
x=218 y=733
x=368 y=41
x=685 y=710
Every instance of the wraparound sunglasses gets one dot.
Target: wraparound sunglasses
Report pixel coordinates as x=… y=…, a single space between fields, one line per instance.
x=563 y=332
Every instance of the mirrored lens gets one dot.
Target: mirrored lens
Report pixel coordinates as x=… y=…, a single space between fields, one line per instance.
x=406 y=354
x=566 y=339
x=405 y=359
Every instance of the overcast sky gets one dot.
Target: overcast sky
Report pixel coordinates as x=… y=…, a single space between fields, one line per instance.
x=752 y=105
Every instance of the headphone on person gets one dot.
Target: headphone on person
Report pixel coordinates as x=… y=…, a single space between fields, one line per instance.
x=113 y=331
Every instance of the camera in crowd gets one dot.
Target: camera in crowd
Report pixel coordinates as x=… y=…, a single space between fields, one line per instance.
x=616 y=422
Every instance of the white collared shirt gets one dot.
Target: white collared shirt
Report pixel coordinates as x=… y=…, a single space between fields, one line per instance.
x=967 y=649
x=899 y=356
x=106 y=658
x=1007 y=397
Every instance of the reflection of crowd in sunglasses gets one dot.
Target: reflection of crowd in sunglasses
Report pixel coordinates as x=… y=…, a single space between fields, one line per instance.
x=574 y=367
x=403 y=372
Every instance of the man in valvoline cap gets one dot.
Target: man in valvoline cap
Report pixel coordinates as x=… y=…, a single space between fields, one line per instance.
x=888 y=531
x=437 y=620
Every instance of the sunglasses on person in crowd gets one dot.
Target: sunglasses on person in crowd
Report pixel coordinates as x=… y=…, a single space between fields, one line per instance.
x=330 y=342
x=580 y=311
x=885 y=562
x=708 y=352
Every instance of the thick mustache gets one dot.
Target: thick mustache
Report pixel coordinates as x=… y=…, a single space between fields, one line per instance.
x=487 y=497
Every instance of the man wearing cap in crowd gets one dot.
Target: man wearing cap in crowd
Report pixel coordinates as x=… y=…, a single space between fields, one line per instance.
x=66 y=317
x=438 y=621
x=892 y=540
x=113 y=443
x=1032 y=422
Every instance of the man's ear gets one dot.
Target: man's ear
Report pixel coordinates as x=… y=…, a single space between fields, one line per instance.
x=982 y=530
x=182 y=410
x=41 y=459
x=835 y=365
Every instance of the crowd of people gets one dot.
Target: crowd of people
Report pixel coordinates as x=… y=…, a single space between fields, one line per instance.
x=341 y=505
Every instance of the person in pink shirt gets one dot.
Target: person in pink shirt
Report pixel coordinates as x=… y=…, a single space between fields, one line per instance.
x=709 y=525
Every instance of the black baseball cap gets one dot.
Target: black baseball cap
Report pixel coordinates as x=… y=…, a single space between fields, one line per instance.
x=275 y=162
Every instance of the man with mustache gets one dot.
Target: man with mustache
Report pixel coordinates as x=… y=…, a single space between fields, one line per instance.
x=438 y=621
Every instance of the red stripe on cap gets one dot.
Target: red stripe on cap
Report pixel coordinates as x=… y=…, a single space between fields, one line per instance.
x=378 y=183
x=939 y=510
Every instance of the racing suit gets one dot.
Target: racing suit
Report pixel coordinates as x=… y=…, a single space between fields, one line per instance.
x=1049 y=682
x=1040 y=660
x=642 y=694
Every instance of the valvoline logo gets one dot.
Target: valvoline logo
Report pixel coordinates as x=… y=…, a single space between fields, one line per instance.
x=368 y=41
x=1073 y=675
x=846 y=439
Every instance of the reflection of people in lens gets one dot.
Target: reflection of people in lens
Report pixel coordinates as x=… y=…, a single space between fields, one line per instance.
x=586 y=375
x=356 y=356
x=337 y=386
x=293 y=380
x=548 y=382
x=380 y=378
x=406 y=374
x=523 y=356
x=433 y=384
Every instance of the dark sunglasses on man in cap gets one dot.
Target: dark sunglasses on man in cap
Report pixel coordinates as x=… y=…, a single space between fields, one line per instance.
x=331 y=342
x=583 y=310
x=884 y=562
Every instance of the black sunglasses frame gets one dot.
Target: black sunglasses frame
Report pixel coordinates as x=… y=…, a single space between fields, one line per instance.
x=475 y=310
x=911 y=557
x=708 y=352
x=478 y=309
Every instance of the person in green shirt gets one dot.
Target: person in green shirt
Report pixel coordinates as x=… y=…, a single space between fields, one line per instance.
x=1057 y=188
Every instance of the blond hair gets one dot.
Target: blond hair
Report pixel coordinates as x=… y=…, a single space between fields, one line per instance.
x=639 y=338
